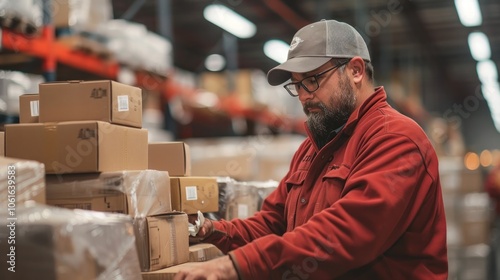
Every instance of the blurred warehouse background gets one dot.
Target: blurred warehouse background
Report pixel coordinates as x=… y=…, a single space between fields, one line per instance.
x=203 y=80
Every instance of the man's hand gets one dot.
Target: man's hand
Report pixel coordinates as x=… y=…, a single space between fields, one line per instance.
x=217 y=269
x=205 y=230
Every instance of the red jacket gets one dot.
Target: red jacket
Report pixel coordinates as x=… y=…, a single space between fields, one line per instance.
x=368 y=205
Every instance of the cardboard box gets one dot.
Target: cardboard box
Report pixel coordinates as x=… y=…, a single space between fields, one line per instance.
x=242 y=201
x=456 y=179
x=29 y=108
x=190 y=194
x=80 y=15
x=22 y=179
x=238 y=166
x=240 y=87
x=461 y=181
x=54 y=243
x=105 y=100
x=166 y=273
x=79 y=147
x=173 y=157
x=203 y=252
x=162 y=240
x=136 y=193
x=61 y=13
x=476 y=232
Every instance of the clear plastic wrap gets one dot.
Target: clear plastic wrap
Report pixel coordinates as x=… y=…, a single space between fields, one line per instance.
x=27 y=180
x=140 y=194
x=56 y=243
x=137 y=193
x=263 y=188
x=242 y=200
x=224 y=183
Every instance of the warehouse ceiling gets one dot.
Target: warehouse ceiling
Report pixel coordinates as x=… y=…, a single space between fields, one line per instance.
x=397 y=31
x=401 y=34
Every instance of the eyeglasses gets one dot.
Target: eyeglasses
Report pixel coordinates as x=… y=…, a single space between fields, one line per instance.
x=309 y=84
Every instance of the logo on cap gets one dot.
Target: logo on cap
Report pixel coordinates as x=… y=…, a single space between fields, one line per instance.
x=295 y=42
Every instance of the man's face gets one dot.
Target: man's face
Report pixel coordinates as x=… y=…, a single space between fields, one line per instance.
x=335 y=110
x=330 y=106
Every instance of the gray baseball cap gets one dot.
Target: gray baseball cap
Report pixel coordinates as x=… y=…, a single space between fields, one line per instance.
x=317 y=43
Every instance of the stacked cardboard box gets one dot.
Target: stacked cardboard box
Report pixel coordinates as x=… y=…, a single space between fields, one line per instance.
x=258 y=158
x=90 y=139
x=203 y=252
x=54 y=243
x=166 y=273
x=468 y=216
x=197 y=253
x=189 y=194
x=29 y=108
x=242 y=199
x=161 y=235
x=84 y=127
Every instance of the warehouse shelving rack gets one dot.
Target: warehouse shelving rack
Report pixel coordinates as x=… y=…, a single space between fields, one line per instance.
x=51 y=53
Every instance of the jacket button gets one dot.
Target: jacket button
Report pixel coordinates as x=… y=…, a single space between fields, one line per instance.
x=303 y=200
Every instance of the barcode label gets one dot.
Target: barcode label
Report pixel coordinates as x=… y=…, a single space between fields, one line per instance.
x=191 y=193
x=122 y=103
x=34 y=108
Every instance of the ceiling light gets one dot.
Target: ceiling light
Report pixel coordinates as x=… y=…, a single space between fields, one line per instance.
x=479 y=46
x=215 y=62
x=491 y=93
x=230 y=21
x=469 y=12
x=276 y=50
x=487 y=72
x=488 y=75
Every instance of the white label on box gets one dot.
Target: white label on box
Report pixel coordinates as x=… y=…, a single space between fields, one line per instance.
x=191 y=193
x=122 y=103
x=242 y=211
x=34 y=108
x=201 y=256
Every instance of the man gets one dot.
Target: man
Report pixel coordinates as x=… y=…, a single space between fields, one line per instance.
x=362 y=198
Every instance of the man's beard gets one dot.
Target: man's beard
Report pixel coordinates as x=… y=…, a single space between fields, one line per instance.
x=332 y=115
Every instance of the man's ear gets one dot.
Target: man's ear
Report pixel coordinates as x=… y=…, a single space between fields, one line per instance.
x=357 y=69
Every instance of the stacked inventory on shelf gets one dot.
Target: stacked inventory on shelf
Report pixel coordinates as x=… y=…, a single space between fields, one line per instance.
x=79 y=39
x=84 y=127
x=92 y=154
x=241 y=199
x=254 y=158
x=468 y=218
x=54 y=242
